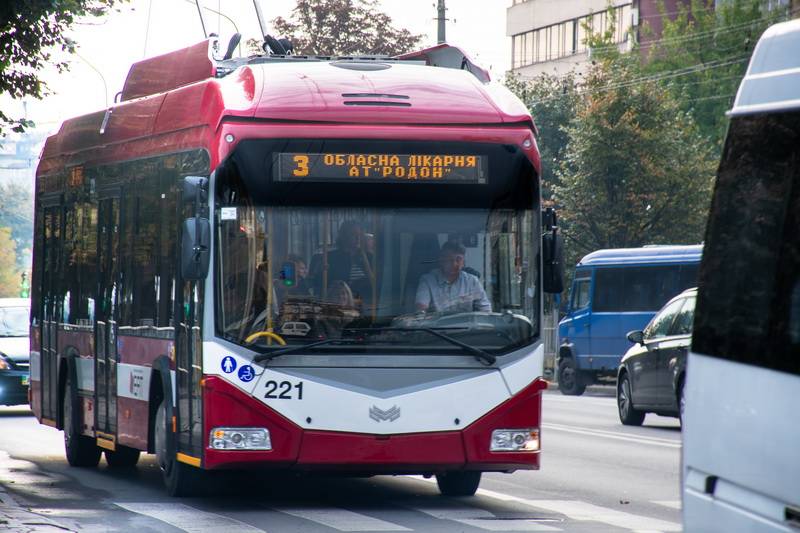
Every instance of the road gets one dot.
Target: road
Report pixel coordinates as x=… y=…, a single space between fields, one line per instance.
x=596 y=476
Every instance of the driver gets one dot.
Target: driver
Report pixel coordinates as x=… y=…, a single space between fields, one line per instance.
x=450 y=289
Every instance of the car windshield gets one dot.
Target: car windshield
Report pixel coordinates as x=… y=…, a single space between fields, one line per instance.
x=14 y=321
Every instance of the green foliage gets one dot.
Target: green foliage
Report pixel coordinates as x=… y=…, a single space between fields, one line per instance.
x=343 y=27
x=637 y=171
x=9 y=275
x=702 y=55
x=16 y=214
x=30 y=30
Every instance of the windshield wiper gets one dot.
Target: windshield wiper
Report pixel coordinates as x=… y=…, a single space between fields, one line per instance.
x=481 y=355
x=294 y=349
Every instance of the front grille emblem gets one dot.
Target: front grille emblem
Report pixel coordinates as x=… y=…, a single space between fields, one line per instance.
x=390 y=415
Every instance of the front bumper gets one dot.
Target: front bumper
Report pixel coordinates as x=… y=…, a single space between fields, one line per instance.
x=413 y=453
x=14 y=387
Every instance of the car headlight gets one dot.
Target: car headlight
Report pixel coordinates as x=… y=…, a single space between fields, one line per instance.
x=5 y=364
x=240 y=439
x=515 y=440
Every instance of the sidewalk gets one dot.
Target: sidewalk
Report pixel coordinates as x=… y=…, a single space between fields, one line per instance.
x=16 y=519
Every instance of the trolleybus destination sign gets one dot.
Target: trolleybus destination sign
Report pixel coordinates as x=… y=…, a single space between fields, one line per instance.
x=343 y=167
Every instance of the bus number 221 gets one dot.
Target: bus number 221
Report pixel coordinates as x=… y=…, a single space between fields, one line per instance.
x=283 y=390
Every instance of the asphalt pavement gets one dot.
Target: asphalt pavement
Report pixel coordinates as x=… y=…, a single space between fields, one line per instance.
x=596 y=476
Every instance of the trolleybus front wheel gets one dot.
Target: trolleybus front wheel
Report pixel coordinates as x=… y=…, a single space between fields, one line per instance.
x=80 y=449
x=180 y=479
x=458 y=483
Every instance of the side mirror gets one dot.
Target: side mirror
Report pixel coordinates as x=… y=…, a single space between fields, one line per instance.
x=553 y=262
x=195 y=189
x=636 y=337
x=195 y=248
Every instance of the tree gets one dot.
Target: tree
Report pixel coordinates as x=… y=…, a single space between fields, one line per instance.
x=30 y=30
x=703 y=53
x=552 y=101
x=9 y=275
x=343 y=27
x=637 y=171
x=16 y=214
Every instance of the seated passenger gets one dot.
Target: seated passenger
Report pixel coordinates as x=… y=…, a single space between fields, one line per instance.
x=350 y=262
x=450 y=289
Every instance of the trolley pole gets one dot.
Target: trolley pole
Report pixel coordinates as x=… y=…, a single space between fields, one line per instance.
x=440 y=35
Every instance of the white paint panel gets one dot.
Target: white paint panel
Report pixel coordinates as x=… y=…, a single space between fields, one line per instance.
x=519 y=374
x=341 y=519
x=133 y=381
x=36 y=366
x=337 y=409
x=188 y=518
x=215 y=355
x=84 y=369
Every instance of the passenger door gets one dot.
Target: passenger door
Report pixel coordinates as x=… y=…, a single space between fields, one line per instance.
x=673 y=352
x=51 y=309
x=577 y=325
x=644 y=374
x=106 y=311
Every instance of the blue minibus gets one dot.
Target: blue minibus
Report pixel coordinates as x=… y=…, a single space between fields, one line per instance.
x=614 y=292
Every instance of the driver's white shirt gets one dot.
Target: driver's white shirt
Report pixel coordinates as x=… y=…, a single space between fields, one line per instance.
x=465 y=294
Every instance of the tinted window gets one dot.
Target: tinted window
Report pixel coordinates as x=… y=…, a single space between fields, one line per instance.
x=748 y=308
x=641 y=288
x=683 y=323
x=580 y=293
x=661 y=323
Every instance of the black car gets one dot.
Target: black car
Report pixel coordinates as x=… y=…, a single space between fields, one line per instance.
x=651 y=375
x=14 y=351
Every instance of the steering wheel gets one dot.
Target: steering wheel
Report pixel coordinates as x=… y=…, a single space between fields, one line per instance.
x=274 y=336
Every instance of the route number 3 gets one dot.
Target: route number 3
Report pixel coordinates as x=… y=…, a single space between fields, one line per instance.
x=302 y=165
x=283 y=390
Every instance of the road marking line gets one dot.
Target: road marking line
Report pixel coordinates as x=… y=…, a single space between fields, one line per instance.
x=188 y=518
x=667 y=443
x=341 y=519
x=483 y=519
x=672 y=504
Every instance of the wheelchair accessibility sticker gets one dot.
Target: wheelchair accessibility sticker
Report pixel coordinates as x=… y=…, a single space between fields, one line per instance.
x=246 y=373
x=229 y=365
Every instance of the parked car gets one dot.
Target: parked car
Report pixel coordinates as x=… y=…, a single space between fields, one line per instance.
x=613 y=292
x=652 y=373
x=14 y=351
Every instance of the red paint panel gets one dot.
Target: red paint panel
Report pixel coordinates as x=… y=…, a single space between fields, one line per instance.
x=169 y=71
x=81 y=341
x=524 y=410
x=414 y=452
x=87 y=408
x=132 y=422
x=36 y=399
x=142 y=350
x=225 y=405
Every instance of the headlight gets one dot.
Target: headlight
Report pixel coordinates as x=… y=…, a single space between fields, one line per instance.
x=4 y=363
x=240 y=439
x=515 y=440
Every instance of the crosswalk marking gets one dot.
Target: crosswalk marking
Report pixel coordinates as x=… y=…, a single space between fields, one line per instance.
x=483 y=519
x=341 y=519
x=578 y=510
x=188 y=518
x=672 y=504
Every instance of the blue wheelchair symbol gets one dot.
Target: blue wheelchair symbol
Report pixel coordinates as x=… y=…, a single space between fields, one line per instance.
x=246 y=373
x=228 y=364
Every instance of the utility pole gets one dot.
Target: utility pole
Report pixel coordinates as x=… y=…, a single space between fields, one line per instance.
x=440 y=37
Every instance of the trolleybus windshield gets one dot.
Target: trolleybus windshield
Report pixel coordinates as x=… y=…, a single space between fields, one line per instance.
x=333 y=254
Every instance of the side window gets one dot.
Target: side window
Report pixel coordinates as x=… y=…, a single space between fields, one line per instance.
x=661 y=323
x=683 y=324
x=580 y=293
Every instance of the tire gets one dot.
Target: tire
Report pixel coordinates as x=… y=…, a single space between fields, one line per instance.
x=122 y=457
x=628 y=415
x=80 y=450
x=570 y=381
x=458 y=483
x=180 y=479
x=681 y=402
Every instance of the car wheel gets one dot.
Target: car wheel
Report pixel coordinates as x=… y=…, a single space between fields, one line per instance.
x=628 y=415
x=180 y=479
x=458 y=483
x=570 y=381
x=681 y=402
x=79 y=449
x=122 y=457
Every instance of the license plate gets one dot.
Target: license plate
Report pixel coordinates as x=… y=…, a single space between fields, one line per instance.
x=25 y=380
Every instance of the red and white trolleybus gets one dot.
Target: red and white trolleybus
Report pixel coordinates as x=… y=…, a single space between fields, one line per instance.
x=317 y=264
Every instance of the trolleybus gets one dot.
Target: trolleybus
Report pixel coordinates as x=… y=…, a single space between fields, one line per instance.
x=305 y=263
x=740 y=431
